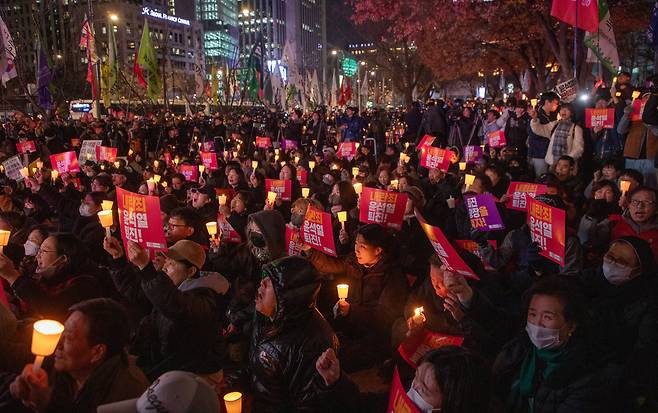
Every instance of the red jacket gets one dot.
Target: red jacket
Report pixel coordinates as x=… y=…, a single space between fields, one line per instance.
x=625 y=227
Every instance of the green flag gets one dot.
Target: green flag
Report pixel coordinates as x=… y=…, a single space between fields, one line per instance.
x=112 y=63
x=105 y=85
x=601 y=44
x=147 y=59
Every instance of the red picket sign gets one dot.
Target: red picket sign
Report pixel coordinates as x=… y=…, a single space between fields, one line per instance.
x=263 y=142
x=209 y=160
x=414 y=347
x=317 y=231
x=302 y=176
x=600 y=118
x=293 y=243
x=386 y=208
x=427 y=140
x=229 y=234
x=638 y=108
x=445 y=250
x=548 y=229
x=346 y=150
x=435 y=158
x=283 y=188
x=65 y=162
x=106 y=153
x=398 y=401
x=518 y=194
x=496 y=139
x=26 y=147
x=191 y=172
x=138 y=222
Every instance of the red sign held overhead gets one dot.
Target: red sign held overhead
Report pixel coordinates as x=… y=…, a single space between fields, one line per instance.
x=317 y=231
x=26 y=147
x=518 y=194
x=346 y=150
x=435 y=158
x=548 y=229
x=496 y=139
x=209 y=160
x=283 y=188
x=138 y=222
x=386 y=208
x=427 y=140
x=65 y=162
x=191 y=172
x=106 y=153
x=263 y=142
x=413 y=348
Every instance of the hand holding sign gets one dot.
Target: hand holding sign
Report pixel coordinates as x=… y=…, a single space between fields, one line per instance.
x=137 y=255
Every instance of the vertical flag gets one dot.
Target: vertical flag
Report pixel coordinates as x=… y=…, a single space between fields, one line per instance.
x=44 y=76
x=345 y=92
x=199 y=74
x=7 y=54
x=214 y=84
x=148 y=60
x=112 y=62
x=256 y=71
x=334 y=89
x=583 y=14
x=89 y=43
x=601 y=43
x=364 y=88
x=105 y=82
x=652 y=31
x=137 y=71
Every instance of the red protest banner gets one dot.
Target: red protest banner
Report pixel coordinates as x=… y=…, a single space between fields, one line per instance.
x=302 y=176
x=346 y=150
x=229 y=234
x=65 y=162
x=293 y=241
x=548 y=229
x=386 y=208
x=435 y=158
x=138 y=221
x=496 y=139
x=209 y=160
x=26 y=147
x=472 y=247
x=638 y=108
x=519 y=192
x=445 y=250
x=398 y=401
x=191 y=172
x=283 y=188
x=317 y=232
x=427 y=140
x=414 y=347
x=263 y=142
x=106 y=153
x=600 y=118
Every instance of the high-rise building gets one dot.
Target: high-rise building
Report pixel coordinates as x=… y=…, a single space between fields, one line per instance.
x=219 y=19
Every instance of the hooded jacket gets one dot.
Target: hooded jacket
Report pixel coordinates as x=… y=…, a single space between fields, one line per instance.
x=284 y=349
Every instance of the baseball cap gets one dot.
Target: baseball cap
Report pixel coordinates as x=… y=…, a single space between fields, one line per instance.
x=186 y=250
x=173 y=392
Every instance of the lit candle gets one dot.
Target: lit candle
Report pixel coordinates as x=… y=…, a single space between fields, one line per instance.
x=343 y=289
x=106 y=220
x=254 y=165
x=233 y=402
x=25 y=172
x=469 y=179
x=235 y=154
x=311 y=165
x=358 y=188
x=39 y=165
x=394 y=184
x=2 y=168
x=54 y=174
x=107 y=205
x=117 y=164
x=156 y=178
x=406 y=145
x=282 y=163
x=462 y=166
x=102 y=167
x=201 y=168
x=222 y=199
x=4 y=238
x=296 y=160
x=88 y=156
x=45 y=336
x=150 y=183
x=212 y=228
x=176 y=160
x=419 y=315
x=271 y=197
x=636 y=94
x=306 y=192
x=342 y=218
x=164 y=184
x=355 y=171
x=356 y=145
x=624 y=186
x=130 y=152
x=34 y=170
x=482 y=147
x=276 y=151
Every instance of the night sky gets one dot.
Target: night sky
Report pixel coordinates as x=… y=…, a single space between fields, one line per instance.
x=340 y=29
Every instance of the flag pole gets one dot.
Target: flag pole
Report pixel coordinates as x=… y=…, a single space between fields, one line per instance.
x=575 y=43
x=97 y=68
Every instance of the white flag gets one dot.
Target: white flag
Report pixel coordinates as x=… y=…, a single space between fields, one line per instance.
x=364 y=87
x=7 y=54
x=334 y=90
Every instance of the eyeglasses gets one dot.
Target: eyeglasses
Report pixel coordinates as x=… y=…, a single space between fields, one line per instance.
x=636 y=203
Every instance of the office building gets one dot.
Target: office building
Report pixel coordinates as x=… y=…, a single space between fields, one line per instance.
x=219 y=19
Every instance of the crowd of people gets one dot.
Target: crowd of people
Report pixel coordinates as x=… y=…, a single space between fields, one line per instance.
x=211 y=315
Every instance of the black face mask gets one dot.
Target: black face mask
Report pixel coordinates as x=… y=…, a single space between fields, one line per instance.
x=257 y=240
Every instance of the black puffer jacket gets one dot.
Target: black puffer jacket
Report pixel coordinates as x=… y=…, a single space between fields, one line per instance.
x=284 y=349
x=183 y=329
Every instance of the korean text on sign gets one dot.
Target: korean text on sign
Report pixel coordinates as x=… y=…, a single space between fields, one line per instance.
x=138 y=222
x=381 y=207
x=317 y=232
x=519 y=192
x=483 y=213
x=547 y=229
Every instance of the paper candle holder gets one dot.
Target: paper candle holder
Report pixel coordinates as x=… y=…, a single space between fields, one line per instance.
x=107 y=220
x=342 y=216
x=4 y=238
x=311 y=165
x=45 y=336
x=156 y=178
x=201 y=168
x=212 y=228
x=222 y=199
x=624 y=186
x=107 y=205
x=533 y=102
x=343 y=290
x=355 y=171
x=306 y=192
x=233 y=402
x=254 y=165
x=469 y=179
x=462 y=166
x=271 y=197
x=358 y=188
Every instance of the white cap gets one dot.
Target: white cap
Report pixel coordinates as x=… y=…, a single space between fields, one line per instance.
x=173 y=392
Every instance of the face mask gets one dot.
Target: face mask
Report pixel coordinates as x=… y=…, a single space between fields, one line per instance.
x=50 y=270
x=257 y=240
x=297 y=220
x=85 y=210
x=615 y=273
x=419 y=402
x=31 y=248
x=543 y=338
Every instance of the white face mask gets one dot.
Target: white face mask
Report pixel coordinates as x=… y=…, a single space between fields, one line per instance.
x=419 y=402
x=617 y=274
x=85 y=210
x=31 y=248
x=543 y=338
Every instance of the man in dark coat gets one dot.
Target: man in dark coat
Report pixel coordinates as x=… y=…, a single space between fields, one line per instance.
x=289 y=335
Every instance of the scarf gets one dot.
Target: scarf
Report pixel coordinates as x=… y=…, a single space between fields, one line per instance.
x=525 y=387
x=560 y=136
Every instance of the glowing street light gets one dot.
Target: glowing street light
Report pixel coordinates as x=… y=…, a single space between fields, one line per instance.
x=245 y=12
x=334 y=52
x=114 y=17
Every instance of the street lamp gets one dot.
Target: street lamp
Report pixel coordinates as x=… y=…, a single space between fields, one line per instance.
x=114 y=17
x=363 y=63
x=59 y=56
x=372 y=73
x=245 y=12
x=334 y=52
